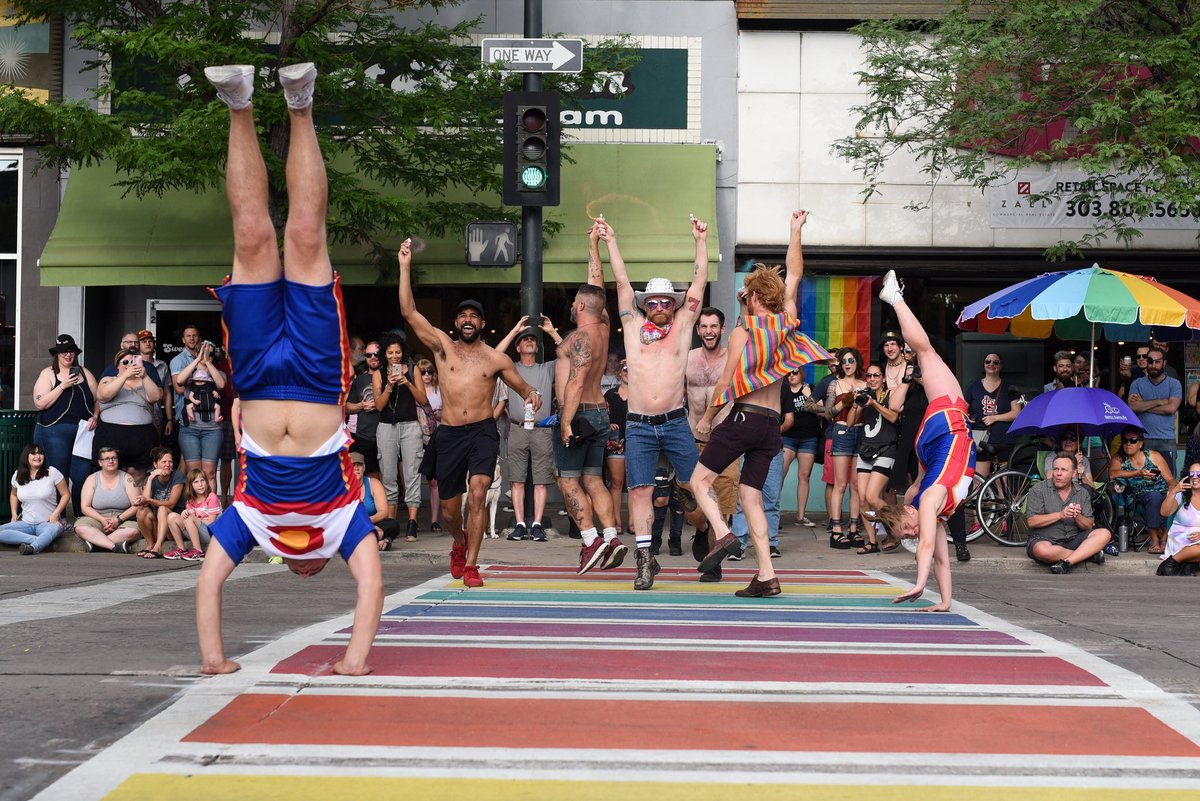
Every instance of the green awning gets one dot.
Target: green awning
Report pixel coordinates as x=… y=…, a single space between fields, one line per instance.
x=185 y=238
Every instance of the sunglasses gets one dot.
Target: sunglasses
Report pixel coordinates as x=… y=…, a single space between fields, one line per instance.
x=907 y=351
x=1130 y=440
x=1194 y=474
x=1142 y=356
x=991 y=361
x=426 y=372
x=874 y=375
x=660 y=304
x=849 y=360
x=371 y=354
x=1069 y=438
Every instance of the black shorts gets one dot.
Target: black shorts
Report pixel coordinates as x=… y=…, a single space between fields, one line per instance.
x=133 y=443
x=369 y=451
x=456 y=452
x=751 y=432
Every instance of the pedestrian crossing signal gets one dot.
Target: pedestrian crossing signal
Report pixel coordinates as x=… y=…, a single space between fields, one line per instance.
x=531 y=157
x=491 y=243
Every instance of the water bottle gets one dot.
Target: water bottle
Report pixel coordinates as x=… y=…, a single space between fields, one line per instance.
x=1123 y=535
x=529 y=417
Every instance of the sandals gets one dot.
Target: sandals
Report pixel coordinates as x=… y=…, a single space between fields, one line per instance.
x=870 y=547
x=149 y=554
x=855 y=534
x=889 y=545
x=435 y=527
x=838 y=539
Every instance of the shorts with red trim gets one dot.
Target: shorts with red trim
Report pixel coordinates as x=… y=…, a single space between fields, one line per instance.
x=946 y=451
x=287 y=341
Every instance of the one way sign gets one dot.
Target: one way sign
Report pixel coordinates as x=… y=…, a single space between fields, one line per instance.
x=534 y=55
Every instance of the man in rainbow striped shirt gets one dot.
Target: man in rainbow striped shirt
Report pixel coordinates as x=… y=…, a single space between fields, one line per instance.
x=764 y=347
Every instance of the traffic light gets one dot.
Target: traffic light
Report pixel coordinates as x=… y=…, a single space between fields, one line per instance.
x=531 y=134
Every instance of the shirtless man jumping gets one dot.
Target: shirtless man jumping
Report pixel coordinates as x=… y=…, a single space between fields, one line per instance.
x=578 y=453
x=462 y=451
x=298 y=496
x=657 y=326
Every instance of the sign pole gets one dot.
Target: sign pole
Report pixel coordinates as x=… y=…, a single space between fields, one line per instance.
x=531 y=216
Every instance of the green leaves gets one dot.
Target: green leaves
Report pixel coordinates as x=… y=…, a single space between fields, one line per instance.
x=968 y=95
x=407 y=118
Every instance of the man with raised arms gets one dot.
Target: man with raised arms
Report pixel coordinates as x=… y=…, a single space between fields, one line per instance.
x=297 y=497
x=583 y=428
x=461 y=455
x=657 y=325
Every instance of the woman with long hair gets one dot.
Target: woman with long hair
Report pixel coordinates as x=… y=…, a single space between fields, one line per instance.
x=398 y=434
x=41 y=493
x=802 y=420
x=65 y=396
x=879 y=409
x=433 y=412
x=1182 y=555
x=845 y=437
x=1146 y=475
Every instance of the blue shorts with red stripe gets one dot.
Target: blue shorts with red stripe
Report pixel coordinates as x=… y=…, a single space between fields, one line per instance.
x=287 y=341
x=946 y=451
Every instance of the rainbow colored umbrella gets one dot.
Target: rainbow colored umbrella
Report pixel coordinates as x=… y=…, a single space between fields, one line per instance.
x=1072 y=303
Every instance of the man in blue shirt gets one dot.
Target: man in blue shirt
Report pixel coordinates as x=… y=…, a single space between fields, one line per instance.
x=1156 y=397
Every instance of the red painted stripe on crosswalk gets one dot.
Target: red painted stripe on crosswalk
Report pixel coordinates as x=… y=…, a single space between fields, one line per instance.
x=701 y=665
x=623 y=575
x=726 y=568
x=308 y=719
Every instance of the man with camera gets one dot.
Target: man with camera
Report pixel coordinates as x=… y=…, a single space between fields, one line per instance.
x=1063 y=532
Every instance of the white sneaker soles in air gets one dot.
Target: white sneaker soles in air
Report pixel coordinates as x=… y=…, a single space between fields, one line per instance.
x=234 y=83
x=297 y=81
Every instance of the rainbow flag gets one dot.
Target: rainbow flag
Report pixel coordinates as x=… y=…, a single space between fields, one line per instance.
x=836 y=312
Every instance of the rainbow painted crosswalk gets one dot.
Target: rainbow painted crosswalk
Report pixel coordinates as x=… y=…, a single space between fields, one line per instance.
x=548 y=685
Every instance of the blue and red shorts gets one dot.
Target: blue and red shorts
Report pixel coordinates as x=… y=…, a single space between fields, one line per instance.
x=946 y=451
x=287 y=341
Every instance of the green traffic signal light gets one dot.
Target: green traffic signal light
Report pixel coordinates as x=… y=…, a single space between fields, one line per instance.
x=533 y=177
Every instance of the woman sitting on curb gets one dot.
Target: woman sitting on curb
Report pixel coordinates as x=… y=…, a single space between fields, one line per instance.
x=42 y=494
x=110 y=503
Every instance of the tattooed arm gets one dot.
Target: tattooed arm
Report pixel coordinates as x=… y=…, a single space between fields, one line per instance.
x=595 y=268
x=578 y=351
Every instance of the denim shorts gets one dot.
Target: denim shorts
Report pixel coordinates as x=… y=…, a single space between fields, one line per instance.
x=200 y=444
x=800 y=444
x=585 y=457
x=846 y=439
x=645 y=441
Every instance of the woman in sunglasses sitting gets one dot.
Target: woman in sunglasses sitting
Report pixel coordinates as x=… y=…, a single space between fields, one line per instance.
x=1182 y=557
x=1146 y=476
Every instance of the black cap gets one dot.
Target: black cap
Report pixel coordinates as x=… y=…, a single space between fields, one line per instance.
x=528 y=332
x=891 y=336
x=469 y=304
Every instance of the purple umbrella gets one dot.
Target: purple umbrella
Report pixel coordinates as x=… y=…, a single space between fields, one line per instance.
x=1090 y=410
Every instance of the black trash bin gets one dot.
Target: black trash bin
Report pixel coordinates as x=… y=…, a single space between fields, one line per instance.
x=16 y=431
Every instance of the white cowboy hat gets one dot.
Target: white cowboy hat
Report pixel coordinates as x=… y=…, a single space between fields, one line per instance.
x=658 y=288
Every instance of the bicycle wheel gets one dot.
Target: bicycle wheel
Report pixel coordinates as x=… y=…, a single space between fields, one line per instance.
x=1001 y=506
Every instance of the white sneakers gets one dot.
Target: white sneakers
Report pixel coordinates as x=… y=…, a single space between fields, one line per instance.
x=892 y=291
x=297 y=81
x=235 y=84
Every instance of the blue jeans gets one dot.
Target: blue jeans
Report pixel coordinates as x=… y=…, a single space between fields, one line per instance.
x=644 y=442
x=39 y=535
x=200 y=444
x=57 y=441
x=770 y=494
x=1168 y=449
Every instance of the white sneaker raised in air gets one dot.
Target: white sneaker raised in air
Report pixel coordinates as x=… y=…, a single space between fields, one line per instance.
x=297 y=81
x=234 y=82
x=893 y=290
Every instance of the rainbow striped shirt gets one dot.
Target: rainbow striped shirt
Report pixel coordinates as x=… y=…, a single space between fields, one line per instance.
x=774 y=348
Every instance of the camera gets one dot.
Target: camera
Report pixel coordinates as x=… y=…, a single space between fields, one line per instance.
x=862 y=397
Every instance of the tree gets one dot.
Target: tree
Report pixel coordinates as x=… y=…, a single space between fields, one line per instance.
x=1105 y=87
x=404 y=113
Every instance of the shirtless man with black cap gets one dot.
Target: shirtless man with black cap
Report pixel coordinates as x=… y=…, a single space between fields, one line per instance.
x=461 y=455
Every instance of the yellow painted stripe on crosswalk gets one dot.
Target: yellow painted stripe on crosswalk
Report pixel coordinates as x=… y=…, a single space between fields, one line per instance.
x=626 y=585
x=154 y=787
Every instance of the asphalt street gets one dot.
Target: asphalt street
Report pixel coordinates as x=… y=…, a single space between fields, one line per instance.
x=96 y=645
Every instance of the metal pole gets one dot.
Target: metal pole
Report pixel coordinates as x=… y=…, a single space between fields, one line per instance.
x=531 y=216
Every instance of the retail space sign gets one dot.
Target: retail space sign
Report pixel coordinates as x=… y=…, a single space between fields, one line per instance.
x=1080 y=199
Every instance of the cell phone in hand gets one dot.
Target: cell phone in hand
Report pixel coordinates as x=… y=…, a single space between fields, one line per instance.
x=396 y=370
x=75 y=371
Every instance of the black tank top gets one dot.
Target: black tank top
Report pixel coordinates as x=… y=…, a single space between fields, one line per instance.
x=877 y=431
x=400 y=405
x=74 y=404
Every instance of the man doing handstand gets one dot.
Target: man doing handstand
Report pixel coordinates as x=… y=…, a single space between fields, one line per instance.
x=298 y=496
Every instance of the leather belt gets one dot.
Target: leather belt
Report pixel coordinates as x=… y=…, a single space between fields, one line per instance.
x=656 y=419
x=762 y=411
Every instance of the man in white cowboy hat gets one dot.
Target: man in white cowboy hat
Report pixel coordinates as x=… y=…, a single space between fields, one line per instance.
x=657 y=325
